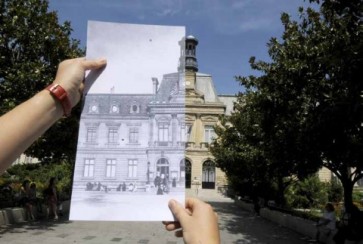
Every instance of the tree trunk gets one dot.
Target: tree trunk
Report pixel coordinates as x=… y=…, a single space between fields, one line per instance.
x=348 y=193
x=280 y=192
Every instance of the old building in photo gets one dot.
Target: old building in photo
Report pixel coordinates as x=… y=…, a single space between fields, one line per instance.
x=133 y=138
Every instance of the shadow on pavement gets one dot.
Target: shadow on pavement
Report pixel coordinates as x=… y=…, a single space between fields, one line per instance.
x=41 y=225
x=254 y=229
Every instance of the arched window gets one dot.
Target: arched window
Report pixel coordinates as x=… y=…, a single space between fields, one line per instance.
x=188 y=172
x=208 y=177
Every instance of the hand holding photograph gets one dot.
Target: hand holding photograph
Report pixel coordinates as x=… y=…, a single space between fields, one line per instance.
x=130 y=156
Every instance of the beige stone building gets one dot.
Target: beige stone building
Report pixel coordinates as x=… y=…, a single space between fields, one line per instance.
x=202 y=108
x=24 y=159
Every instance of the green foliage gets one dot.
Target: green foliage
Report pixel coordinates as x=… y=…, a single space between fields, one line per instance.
x=40 y=175
x=335 y=191
x=243 y=164
x=311 y=214
x=32 y=43
x=311 y=193
x=358 y=198
x=308 y=193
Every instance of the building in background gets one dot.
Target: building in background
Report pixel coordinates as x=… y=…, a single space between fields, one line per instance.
x=24 y=159
x=203 y=106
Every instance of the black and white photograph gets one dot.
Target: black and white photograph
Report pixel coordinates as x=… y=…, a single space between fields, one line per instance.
x=130 y=155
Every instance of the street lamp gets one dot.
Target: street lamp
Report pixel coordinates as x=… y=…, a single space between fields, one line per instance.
x=148 y=173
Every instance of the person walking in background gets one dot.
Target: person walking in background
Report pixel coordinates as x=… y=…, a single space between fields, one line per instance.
x=35 y=201
x=51 y=198
x=326 y=225
x=25 y=200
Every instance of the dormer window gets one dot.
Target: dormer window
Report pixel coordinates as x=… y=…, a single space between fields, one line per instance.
x=135 y=109
x=93 y=108
x=114 y=109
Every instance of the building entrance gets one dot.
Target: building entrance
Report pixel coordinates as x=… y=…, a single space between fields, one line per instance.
x=188 y=173
x=209 y=176
x=162 y=167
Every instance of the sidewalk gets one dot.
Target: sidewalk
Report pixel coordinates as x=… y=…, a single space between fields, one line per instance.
x=240 y=226
x=236 y=226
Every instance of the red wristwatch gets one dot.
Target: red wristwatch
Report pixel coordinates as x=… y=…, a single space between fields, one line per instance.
x=61 y=95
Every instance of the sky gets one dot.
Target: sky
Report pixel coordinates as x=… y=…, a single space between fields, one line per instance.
x=135 y=55
x=229 y=31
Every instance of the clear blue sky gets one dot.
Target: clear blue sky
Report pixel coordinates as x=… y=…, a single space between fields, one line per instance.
x=229 y=31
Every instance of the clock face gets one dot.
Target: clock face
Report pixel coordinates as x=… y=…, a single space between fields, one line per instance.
x=94 y=108
x=114 y=108
x=187 y=83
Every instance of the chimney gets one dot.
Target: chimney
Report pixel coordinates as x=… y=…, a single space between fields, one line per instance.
x=155 y=85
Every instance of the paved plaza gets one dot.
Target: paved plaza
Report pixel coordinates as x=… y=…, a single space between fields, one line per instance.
x=236 y=225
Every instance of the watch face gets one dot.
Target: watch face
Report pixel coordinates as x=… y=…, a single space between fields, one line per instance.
x=61 y=95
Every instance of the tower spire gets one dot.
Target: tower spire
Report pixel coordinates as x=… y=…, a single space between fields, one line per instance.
x=188 y=65
x=191 y=62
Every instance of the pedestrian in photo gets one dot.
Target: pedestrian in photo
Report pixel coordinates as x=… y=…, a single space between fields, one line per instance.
x=157 y=180
x=158 y=184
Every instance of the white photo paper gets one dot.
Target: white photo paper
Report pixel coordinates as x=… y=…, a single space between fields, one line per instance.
x=130 y=156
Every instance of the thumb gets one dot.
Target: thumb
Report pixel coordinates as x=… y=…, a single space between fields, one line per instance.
x=178 y=211
x=94 y=63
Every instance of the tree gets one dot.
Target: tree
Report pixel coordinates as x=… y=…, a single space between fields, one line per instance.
x=237 y=153
x=32 y=43
x=309 y=97
x=260 y=140
x=335 y=122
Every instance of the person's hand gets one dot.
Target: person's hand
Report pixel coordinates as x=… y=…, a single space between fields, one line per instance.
x=198 y=222
x=70 y=75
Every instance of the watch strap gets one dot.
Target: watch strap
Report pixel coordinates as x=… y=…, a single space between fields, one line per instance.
x=61 y=95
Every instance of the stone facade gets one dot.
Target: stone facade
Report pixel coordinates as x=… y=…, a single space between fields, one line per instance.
x=203 y=108
x=131 y=139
